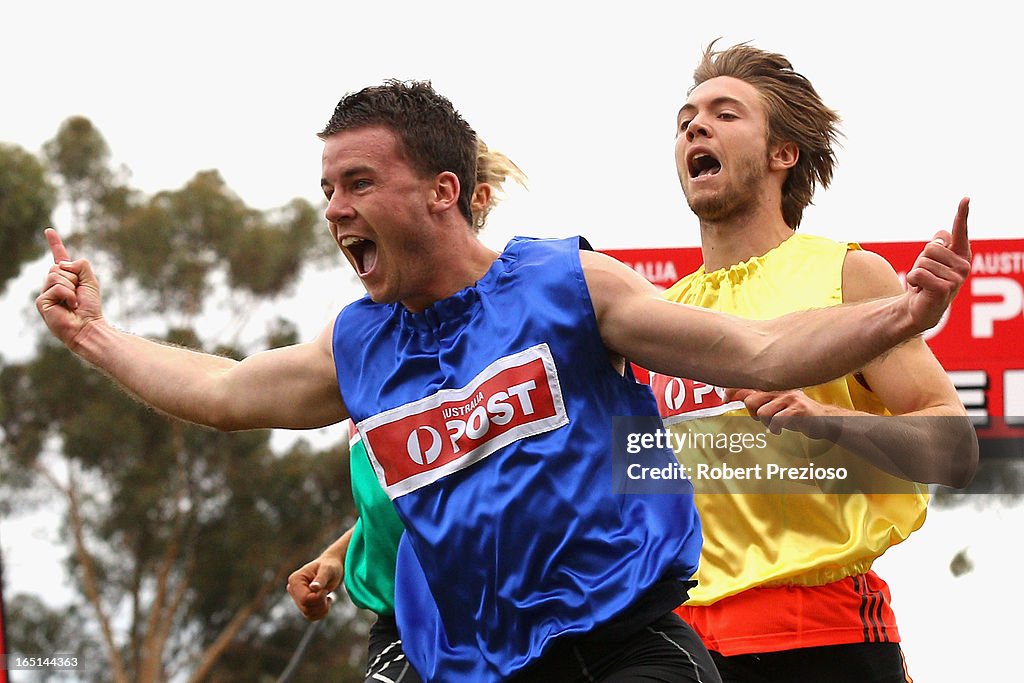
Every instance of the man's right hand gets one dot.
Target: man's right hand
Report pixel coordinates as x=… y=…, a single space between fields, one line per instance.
x=311 y=585
x=70 y=298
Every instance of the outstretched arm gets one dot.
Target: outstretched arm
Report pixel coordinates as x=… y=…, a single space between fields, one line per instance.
x=800 y=349
x=293 y=387
x=929 y=438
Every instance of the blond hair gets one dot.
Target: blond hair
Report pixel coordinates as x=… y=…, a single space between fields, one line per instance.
x=493 y=168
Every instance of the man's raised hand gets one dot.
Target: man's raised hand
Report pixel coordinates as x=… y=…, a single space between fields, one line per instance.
x=939 y=271
x=70 y=297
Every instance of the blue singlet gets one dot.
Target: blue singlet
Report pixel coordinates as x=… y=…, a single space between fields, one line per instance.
x=488 y=419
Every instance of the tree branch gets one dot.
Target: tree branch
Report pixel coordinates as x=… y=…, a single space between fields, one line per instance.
x=161 y=615
x=89 y=581
x=223 y=640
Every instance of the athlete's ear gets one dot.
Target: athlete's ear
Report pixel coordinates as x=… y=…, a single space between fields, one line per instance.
x=783 y=156
x=481 y=198
x=445 y=192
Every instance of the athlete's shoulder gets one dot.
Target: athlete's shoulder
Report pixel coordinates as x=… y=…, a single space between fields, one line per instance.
x=867 y=275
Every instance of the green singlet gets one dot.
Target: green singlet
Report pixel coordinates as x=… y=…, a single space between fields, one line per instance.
x=370 y=561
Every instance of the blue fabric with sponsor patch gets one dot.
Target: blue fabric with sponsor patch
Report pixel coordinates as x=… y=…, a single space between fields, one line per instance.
x=488 y=419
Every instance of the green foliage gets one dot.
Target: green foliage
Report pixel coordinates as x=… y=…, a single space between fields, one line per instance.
x=26 y=201
x=23 y=428
x=173 y=243
x=269 y=257
x=281 y=333
x=33 y=629
x=232 y=509
x=79 y=155
x=332 y=654
x=172 y=526
x=258 y=506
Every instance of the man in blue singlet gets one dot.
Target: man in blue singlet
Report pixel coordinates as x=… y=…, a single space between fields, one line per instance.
x=484 y=386
x=365 y=555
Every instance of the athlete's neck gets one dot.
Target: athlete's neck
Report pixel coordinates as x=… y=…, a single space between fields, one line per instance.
x=726 y=243
x=456 y=267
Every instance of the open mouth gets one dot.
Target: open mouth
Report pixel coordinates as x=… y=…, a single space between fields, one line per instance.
x=703 y=165
x=363 y=253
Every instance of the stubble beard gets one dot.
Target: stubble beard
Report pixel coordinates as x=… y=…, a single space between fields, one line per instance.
x=733 y=200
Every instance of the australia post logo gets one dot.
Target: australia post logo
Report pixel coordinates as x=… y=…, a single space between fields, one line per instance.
x=416 y=444
x=686 y=399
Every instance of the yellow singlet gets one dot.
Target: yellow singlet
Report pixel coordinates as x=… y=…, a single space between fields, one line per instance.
x=806 y=539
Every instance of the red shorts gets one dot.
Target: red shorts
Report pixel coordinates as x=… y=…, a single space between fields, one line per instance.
x=856 y=609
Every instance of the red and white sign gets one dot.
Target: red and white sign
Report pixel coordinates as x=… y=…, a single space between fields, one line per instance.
x=416 y=444
x=978 y=342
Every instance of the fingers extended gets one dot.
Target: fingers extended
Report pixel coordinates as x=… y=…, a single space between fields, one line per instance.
x=57 y=248
x=960 y=243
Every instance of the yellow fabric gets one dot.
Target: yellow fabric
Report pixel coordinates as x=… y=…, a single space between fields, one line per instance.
x=805 y=539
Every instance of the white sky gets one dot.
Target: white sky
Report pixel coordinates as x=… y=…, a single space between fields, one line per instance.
x=582 y=95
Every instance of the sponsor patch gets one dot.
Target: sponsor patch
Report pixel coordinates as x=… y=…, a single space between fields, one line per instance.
x=416 y=444
x=681 y=399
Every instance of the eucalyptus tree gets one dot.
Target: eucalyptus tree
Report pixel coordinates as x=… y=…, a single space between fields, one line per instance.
x=179 y=538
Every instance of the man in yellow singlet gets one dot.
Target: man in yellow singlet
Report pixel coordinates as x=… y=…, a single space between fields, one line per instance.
x=786 y=591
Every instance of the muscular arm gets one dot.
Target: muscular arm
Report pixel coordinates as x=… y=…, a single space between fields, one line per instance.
x=293 y=387
x=800 y=349
x=929 y=439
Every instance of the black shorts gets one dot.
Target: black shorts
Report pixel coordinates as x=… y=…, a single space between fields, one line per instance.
x=646 y=643
x=853 y=663
x=665 y=650
x=386 y=662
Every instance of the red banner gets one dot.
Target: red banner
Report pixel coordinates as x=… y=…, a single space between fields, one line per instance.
x=980 y=342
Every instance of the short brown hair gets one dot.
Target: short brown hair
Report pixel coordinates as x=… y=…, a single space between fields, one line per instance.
x=795 y=114
x=434 y=137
